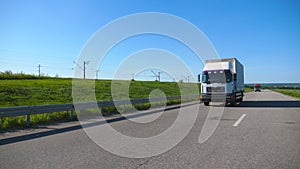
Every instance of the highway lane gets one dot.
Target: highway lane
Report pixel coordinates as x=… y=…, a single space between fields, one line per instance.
x=266 y=137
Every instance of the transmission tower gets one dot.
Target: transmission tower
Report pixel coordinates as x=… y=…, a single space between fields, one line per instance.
x=157 y=76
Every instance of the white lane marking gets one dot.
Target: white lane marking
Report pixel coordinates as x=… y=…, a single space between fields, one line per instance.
x=239 y=120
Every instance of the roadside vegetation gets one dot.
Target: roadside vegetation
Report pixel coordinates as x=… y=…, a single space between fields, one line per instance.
x=290 y=92
x=59 y=91
x=248 y=89
x=290 y=89
x=41 y=91
x=7 y=75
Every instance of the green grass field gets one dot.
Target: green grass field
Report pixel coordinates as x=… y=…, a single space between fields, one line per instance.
x=58 y=91
x=290 y=92
x=248 y=89
x=55 y=91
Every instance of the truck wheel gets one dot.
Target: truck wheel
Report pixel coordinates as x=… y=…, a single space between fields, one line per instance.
x=206 y=103
x=232 y=103
x=240 y=100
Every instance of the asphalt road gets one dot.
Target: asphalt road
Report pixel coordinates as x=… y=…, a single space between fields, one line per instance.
x=261 y=132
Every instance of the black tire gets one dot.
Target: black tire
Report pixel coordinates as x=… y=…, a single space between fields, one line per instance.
x=241 y=99
x=206 y=103
x=232 y=104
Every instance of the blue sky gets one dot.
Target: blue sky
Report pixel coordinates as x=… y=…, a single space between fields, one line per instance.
x=263 y=35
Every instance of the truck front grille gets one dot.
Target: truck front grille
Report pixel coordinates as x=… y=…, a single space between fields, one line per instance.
x=215 y=89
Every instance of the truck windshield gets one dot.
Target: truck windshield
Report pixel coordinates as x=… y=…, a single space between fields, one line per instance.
x=217 y=76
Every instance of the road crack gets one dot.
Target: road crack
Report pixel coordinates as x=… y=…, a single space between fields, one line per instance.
x=143 y=163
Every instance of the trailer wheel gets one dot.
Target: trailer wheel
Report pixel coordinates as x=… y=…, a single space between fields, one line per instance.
x=206 y=103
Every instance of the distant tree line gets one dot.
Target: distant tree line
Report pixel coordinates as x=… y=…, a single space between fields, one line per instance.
x=276 y=86
x=7 y=75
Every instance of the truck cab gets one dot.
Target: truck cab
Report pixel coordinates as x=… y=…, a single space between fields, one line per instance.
x=222 y=81
x=257 y=88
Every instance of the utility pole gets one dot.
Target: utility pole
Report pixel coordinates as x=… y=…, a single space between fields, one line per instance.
x=84 y=67
x=84 y=63
x=159 y=76
x=39 y=66
x=132 y=76
x=97 y=71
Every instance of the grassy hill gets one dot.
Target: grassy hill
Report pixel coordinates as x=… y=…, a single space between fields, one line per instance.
x=55 y=91
x=28 y=92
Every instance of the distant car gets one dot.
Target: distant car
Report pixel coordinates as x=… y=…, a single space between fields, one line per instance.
x=257 y=88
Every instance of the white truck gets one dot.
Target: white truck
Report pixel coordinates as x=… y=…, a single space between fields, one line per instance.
x=222 y=81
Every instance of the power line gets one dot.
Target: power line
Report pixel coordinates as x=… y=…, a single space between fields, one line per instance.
x=155 y=75
x=77 y=65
